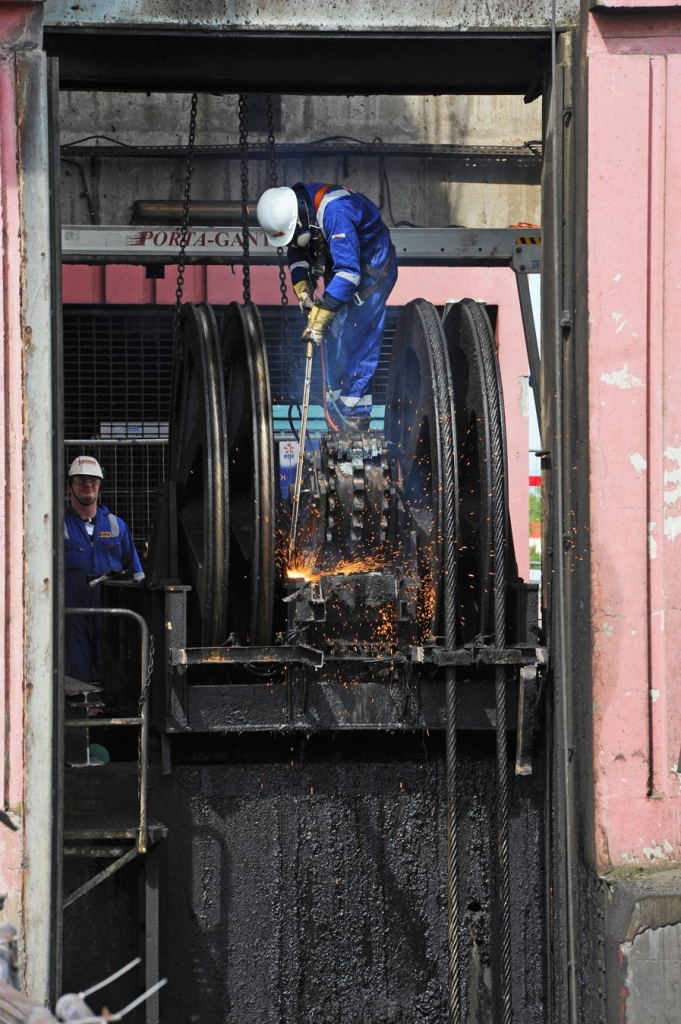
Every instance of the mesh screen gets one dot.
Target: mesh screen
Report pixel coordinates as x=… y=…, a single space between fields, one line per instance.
x=117 y=387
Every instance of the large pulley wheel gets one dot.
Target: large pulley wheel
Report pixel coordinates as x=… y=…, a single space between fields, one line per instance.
x=420 y=432
x=198 y=467
x=480 y=430
x=250 y=453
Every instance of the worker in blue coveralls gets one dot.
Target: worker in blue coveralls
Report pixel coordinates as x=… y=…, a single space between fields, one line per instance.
x=95 y=542
x=335 y=233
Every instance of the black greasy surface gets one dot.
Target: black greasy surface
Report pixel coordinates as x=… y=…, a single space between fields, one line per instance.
x=307 y=882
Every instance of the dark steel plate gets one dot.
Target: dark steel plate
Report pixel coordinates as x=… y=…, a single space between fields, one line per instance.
x=250 y=451
x=198 y=466
x=420 y=435
x=481 y=458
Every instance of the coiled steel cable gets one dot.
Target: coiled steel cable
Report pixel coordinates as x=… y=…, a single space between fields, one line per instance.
x=499 y=534
x=444 y=397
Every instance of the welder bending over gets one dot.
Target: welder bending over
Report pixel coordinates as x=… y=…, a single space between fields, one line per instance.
x=335 y=233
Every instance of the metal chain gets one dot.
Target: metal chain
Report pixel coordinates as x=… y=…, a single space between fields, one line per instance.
x=184 y=233
x=287 y=337
x=141 y=703
x=243 y=145
x=150 y=671
x=271 y=141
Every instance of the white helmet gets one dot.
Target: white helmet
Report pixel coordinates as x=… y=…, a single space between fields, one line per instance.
x=277 y=214
x=85 y=465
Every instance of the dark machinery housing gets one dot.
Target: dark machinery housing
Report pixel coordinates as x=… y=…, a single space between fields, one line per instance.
x=404 y=562
x=395 y=637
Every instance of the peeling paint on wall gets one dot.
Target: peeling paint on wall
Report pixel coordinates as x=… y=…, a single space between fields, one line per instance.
x=655 y=853
x=622 y=378
x=672 y=527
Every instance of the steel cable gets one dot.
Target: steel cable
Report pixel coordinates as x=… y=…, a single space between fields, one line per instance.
x=448 y=500
x=499 y=533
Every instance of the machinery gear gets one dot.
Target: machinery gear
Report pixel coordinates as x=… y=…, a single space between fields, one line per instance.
x=277 y=214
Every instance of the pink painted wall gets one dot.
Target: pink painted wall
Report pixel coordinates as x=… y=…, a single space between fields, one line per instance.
x=125 y=284
x=11 y=510
x=634 y=291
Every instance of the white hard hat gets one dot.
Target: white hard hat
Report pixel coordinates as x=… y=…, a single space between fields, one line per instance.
x=85 y=465
x=277 y=214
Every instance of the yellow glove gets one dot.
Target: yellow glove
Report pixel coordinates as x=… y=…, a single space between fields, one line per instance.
x=317 y=322
x=303 y=290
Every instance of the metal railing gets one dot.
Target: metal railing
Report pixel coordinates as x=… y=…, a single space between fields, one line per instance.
x=141 y=721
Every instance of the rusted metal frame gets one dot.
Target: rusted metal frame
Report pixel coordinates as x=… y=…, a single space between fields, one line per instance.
x=388 y=659
x=143 y=720
x=101 y=876
x=296 y=150
x=487 y=656
x=88 y=723
x=95 y=851
x=269 y=655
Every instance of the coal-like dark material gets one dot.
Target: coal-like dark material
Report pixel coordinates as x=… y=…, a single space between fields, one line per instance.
x=305 y=881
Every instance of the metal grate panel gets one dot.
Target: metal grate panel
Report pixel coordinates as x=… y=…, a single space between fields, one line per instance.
x=117 y=380
x=117 y=388
x=286 y=356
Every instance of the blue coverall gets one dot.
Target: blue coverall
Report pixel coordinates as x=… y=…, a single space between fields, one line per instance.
x=84 y=557
x=361 y=272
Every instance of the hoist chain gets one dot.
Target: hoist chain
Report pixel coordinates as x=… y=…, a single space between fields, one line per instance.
x=243 y=146
x=184 y=232
x=270 y=141
x=143 y=700
x=287 y=338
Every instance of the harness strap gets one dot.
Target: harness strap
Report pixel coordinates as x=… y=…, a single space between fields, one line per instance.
x=319 y=195
x=377 y=276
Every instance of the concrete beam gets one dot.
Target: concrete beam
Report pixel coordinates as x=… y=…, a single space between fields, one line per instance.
x=357 y=15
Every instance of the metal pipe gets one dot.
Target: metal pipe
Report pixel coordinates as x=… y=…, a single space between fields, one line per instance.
x=143 y=718
x=301 y=447
x=201 y=211
x=89 y=723
x=95 y=442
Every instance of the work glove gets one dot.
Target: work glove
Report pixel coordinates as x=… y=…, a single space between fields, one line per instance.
x=303 y=290
x=317 y=322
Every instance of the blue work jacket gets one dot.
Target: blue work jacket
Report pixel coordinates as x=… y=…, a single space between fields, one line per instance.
x=357 y=240
x=110 y=548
